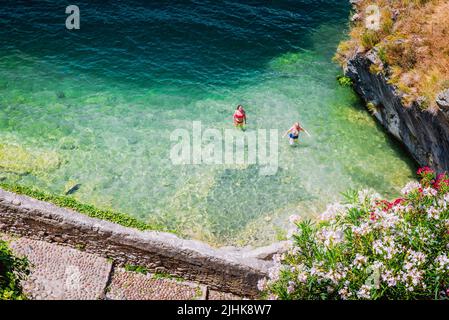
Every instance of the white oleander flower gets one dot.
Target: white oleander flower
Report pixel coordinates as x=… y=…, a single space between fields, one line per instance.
x=360 y=261
x=262 y=284
x=364 y=292
x=416 y=258
x=389 y=278
x=291 y=287
x=362 y=230
x=446 y=198
x=387 y=249
x=332 y=211
x=410 y=187
x=344 y=293
x=433 y=213
x=331 y=237
x=302 y=277
x=430 y=192
x=442 y=263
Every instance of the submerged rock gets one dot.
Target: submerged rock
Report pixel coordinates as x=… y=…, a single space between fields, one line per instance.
x=20 y=160
x=60 y=94
x=71 y=187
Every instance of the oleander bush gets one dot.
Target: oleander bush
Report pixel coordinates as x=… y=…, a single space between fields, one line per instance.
x=370 y=248
x=12 y=270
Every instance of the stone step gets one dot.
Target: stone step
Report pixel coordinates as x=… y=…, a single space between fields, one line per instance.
x=129 y=285
x=61 y=273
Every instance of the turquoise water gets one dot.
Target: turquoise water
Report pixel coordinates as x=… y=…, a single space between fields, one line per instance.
x=96 y=107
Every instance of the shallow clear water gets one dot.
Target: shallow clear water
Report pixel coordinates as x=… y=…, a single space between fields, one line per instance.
x=96 y=107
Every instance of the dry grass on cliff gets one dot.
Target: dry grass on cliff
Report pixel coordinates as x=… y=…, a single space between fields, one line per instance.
x=412 y=45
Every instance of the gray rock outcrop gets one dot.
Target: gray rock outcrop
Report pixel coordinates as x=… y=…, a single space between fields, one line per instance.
x=425 y=134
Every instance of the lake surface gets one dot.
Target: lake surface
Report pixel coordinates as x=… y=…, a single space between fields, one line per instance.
x=96 y=107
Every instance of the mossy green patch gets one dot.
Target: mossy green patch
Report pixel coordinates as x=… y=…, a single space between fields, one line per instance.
x=87 y=209
x=134 y=268
x=14 y=158
x=157 y=275
x=165 y=275
x=285 y=62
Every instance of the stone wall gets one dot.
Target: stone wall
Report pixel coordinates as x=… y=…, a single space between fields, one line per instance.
x=231 y=270
x=424 y=134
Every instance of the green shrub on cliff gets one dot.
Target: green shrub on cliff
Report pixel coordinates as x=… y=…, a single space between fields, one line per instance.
x=412 y=38
x=370 y=248
x=12 y=270
x=344 y=81
x=370 y=39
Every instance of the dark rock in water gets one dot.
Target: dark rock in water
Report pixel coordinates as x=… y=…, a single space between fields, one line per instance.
x=73 y=189
x=60 y=94
x=443 y=100
x=133 y=140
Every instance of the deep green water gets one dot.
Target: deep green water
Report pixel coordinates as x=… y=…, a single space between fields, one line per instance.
x=96 y=107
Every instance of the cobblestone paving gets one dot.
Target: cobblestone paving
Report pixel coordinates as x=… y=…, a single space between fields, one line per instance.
x=59 y=272
x=136 y=286
x=217 y=295
x=62 y=273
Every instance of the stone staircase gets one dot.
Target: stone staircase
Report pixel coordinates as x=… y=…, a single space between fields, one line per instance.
x=60 y=272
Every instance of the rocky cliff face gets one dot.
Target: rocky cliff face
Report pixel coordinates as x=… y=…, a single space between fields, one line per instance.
x=425 y=134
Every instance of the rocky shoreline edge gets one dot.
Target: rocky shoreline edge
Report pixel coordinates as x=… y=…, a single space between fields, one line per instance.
x=424 y=133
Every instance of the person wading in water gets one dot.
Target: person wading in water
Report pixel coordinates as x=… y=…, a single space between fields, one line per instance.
x=293 y=133
x=240 y=117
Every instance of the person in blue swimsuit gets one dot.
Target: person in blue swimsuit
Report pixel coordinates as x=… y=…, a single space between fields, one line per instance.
x=293 y=133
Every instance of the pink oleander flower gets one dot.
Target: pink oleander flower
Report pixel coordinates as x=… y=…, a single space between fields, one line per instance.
x=424 y=170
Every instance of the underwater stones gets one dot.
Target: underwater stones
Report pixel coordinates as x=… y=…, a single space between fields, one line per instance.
x=60 y=95
x=68 y=143
x=16 y=159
